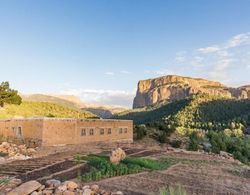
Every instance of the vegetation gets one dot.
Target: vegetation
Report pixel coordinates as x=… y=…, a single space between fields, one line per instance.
x=45 y=109
x=172 y=191
x=8 y=95
x=4 y=181
x=101 y=167
x=220 y=121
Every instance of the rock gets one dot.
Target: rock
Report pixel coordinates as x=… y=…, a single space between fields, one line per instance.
x=70 y=185
x=62 y=188
x=170 y=88
x=95 y=188
x=206 y=146
x=67 y=192
x=86 y=187
x=53 y=183
x=41 y=188
x=117 y=156
x=47 y=192
x=117 y=193
x=34 y=193
x=87 y=192
x=26 y=188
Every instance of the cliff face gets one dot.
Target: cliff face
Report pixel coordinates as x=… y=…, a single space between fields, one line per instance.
x=171 y=88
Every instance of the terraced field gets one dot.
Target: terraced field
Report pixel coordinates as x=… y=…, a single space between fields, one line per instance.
x=197 y=173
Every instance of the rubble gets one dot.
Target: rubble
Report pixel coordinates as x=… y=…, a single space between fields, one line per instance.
x=16 y=152
x=56 y=187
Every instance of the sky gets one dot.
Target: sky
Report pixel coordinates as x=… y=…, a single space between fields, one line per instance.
x=100 y=49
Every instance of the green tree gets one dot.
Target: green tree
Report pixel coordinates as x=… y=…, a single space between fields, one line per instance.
x=8 y=95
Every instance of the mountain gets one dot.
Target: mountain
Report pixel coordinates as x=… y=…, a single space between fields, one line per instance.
x=171 y=88
x=42 y=109
x=104 y=111
x=200 y=111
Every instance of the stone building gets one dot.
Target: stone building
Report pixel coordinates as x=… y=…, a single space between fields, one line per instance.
x=56 y=131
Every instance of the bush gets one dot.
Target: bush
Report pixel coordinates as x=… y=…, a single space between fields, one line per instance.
x=162 y=137
x=194 y=142
x=140 y=131
x=176 y=143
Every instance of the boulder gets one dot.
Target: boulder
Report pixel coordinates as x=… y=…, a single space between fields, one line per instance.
x=87 y=192
x=53 y=183
x=117 y=156
x=95 y=188
x=26 y=188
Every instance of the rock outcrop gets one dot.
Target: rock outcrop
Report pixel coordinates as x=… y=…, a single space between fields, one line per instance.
x=172 y=87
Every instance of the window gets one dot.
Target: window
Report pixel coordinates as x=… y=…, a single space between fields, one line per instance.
x=102 y=131
x=125 y=130
x=83 y=132
x=91 y=132
x=19 y=132
x=120 y=130
x=109 y=131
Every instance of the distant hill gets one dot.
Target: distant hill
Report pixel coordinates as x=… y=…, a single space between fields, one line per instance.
x=172 y=87
x=198 y=111
x=42 y=109
x=70 y=101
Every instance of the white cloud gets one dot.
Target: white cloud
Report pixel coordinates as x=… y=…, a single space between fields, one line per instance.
x=100 y=96
x=211 y=49
x=160 y=72
x=222 y=62
x=180 y=56
x=125 y=72
x=237 y=40
x=110 y=73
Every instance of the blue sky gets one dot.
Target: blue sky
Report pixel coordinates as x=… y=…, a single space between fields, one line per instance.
x=99 y=49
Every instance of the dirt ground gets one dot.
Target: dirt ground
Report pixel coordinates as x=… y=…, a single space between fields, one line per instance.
x=197 y=173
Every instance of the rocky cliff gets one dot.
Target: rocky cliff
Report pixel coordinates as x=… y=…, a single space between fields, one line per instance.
x=172 y=87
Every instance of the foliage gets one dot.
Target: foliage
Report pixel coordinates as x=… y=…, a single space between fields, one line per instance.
x=101 y=167
x=4 y=181
x=238 y=146
x=172 y=191
x=37 y=109
x=140 y=131
x=176 y=143
x=162 y=137
x=194 y=141
x=8 y=95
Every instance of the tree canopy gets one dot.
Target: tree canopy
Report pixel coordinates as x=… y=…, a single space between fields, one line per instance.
x=8 y=95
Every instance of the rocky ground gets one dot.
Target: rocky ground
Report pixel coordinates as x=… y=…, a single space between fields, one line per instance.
x=197 y=172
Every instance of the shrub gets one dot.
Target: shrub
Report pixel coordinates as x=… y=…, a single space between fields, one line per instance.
x=194 y=142
x=176 y=143
x=162 y=137
x=140 y=131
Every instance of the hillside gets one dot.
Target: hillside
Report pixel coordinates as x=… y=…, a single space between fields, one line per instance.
x=199 y=111
x=42 y=109
x=171 y=88
x=68 y=101
x=74 y=102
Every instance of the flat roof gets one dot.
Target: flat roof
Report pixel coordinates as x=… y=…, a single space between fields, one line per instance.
x=50 y=118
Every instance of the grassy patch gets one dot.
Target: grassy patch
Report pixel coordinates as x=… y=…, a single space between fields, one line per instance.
x=4 y=181
x=101 y=167
x=172 y=191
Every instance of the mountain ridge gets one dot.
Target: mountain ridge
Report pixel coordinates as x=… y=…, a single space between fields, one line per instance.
x=173 y=87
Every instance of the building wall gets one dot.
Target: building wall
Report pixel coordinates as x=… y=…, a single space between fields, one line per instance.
x=73 y=131
x=55 y=131
x=22 y=131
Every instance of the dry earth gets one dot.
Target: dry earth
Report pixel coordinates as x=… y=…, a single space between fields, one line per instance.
x=198 y=173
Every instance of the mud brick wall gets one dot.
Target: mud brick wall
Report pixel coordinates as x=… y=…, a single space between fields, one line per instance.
x=77 y=131
x=22 y=131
